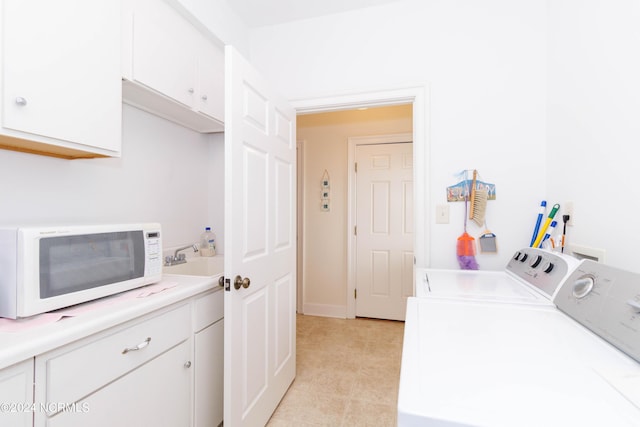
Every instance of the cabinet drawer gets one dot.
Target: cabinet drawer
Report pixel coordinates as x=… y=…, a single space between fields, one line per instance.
x=74 y=371
x=208 y=309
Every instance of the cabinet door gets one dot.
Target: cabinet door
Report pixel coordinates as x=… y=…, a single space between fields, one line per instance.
x=209 y=375
x=16 y=394
x=210 y=99
x=61 y=70
x=156 y=394
x=165 y=50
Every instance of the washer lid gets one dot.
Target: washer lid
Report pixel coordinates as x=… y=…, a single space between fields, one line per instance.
x=496 y=286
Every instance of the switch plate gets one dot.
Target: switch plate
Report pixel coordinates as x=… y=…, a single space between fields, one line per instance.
x=442 y=214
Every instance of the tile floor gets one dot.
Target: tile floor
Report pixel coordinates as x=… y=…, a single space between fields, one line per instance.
x=347 y=374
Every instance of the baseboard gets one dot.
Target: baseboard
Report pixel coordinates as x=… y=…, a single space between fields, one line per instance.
x=325 y=310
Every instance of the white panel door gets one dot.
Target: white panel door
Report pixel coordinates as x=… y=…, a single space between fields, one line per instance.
x=384 y=219
x=260 y=246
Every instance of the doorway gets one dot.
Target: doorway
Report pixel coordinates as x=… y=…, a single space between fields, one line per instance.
x=325 y=291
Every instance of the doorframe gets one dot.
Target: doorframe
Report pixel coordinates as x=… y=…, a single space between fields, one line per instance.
x=300 y=143
x=353 y=143
x=418 y=96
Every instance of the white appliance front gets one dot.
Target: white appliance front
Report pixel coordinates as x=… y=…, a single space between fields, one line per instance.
x=489 y=364
x=47 y=268
x=473 y=363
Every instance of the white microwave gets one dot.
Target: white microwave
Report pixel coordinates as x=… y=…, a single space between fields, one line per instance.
x=48 y=268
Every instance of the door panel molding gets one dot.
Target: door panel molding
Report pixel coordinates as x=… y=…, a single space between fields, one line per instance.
x=377 y=195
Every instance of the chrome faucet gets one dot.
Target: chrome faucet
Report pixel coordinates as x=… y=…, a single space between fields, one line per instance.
x=179 y=258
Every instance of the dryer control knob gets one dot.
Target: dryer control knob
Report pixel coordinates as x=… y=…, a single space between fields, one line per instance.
x=548 y=268
x=536 y=262
x=583 y=286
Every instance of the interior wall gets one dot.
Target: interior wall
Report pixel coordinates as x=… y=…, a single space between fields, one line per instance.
x=161 y=177
x=325 y=139
x=219 y=18
x=593 y=125
x=485 y=65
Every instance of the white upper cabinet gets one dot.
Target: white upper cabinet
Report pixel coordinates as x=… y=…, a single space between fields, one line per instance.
x=210 y=99
x=170 y=68
x=61 y=77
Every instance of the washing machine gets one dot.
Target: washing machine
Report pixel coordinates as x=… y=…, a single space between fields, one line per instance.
x=531 y=276
x=486 y=362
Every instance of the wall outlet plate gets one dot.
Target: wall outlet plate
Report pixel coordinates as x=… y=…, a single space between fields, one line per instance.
x=567 y=209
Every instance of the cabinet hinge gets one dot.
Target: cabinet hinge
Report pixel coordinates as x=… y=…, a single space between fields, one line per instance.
x=355 y=294
x=355 y=230
x=355 y=167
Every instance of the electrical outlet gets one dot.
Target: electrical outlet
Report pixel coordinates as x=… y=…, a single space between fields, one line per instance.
x=568 y=210
x=442 y=214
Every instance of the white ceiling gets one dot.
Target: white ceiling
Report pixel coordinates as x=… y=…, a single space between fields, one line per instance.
x=258 y=13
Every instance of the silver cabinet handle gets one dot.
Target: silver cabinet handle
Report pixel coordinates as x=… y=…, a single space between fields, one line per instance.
x=187 y=364
x=190 y=90
x=140 y=346
x=21 y=101
x=204 y=97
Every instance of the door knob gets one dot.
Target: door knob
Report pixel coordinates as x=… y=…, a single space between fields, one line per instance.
x=221 y=281
x=240 y=282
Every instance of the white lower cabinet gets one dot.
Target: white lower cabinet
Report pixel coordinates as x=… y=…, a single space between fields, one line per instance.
x=16 y=395
x=155 y=394
x=208 y=359
x=163 y=370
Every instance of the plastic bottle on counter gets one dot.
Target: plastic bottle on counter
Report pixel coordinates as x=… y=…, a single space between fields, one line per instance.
x=207 y=243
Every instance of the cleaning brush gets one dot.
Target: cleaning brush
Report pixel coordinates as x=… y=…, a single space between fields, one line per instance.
x=478 y=202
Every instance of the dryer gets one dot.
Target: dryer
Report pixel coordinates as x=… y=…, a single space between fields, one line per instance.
x=471 y=362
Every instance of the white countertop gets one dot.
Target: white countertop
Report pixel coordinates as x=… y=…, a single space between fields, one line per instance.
x=100 y=315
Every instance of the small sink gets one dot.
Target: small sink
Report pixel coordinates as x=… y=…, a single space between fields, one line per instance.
x=198 y=266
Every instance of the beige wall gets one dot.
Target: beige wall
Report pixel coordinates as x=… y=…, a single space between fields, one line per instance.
x=325 y=138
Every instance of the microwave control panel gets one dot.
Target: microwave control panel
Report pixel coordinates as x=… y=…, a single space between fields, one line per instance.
x=153 y=252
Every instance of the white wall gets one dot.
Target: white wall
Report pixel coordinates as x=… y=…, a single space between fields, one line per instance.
x=161 y=177
x=218 y=17
x=594 y=122
x=485 y=64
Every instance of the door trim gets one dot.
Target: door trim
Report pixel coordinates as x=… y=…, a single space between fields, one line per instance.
x=353 y=142
x=418 y=96
x=300 y=143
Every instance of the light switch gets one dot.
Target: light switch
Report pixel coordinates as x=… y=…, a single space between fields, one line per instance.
x=442 y=214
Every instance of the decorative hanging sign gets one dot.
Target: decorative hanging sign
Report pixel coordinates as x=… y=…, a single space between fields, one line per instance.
x=463 y=189
x=324 y=199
